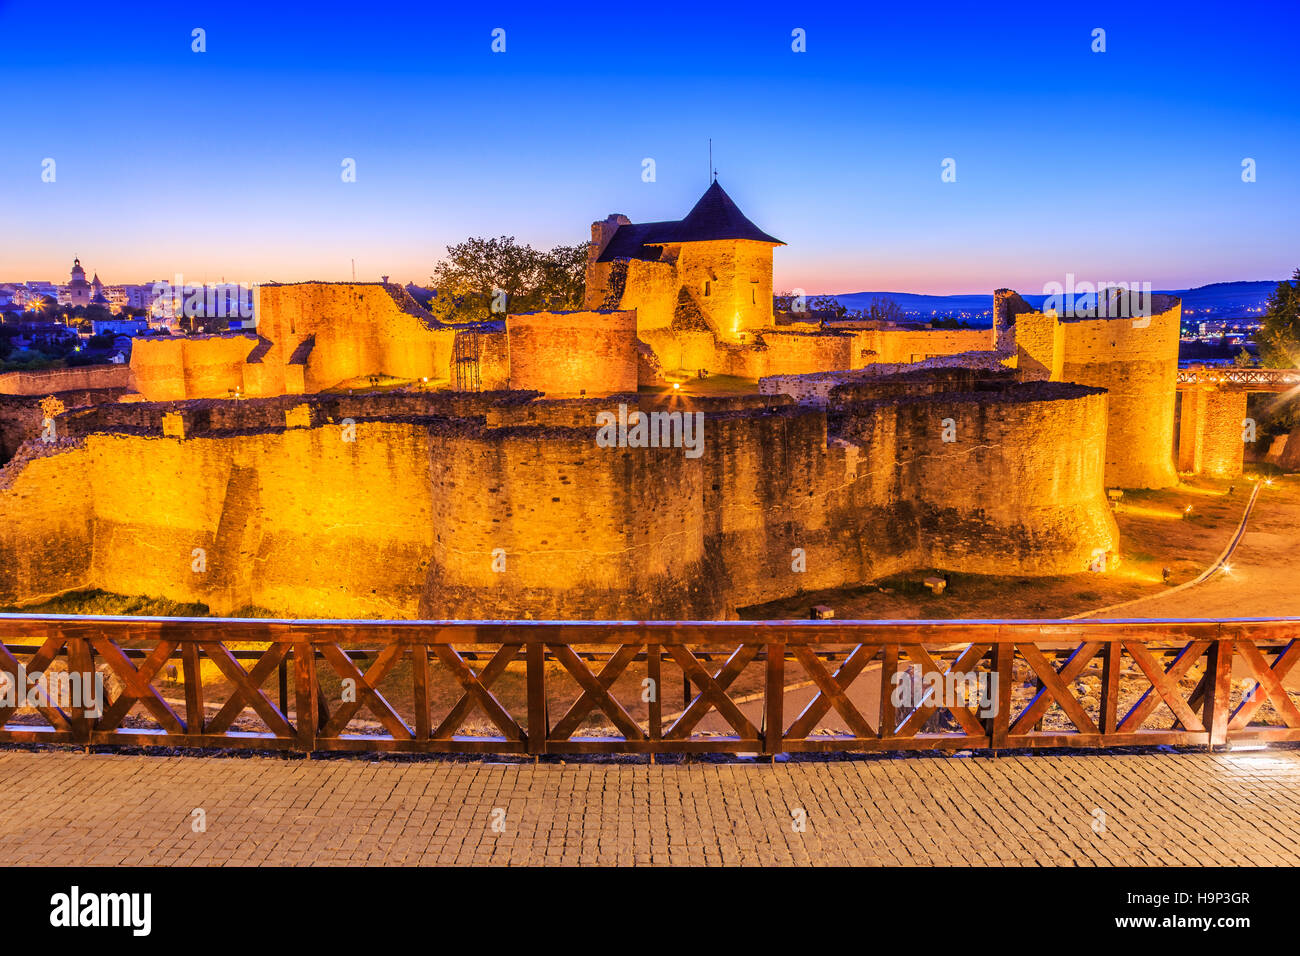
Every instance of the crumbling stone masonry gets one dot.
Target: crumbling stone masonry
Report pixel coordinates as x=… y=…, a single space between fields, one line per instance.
x=409 y=518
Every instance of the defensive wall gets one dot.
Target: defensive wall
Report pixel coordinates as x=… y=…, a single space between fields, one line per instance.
x=310 y=336
x=1134 y=357
x=42 y=382
x=815 y=388
x=571 y=353
x=21 y=417
x=1210 y=426
x=503 y=505
x=315 y=336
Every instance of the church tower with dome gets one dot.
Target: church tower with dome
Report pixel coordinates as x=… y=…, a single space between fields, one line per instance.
x=79 y=291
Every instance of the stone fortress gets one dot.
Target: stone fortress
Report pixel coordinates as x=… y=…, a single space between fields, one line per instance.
x=261 y=470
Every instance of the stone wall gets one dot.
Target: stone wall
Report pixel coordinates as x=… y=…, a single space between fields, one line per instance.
x=648 y=287
x=731 y=280
x=571 y=353
x=173 y=368
x=815 y=388
x=348 y=330
x=793 y=352
x=906 y=346
x=407 y=519
x=681 y=351
x=46 y=381
x=21 y=418
x=47 y=525
x=1210 y=432
x=310 y=336
x=1134 y=358
x=1136 y=361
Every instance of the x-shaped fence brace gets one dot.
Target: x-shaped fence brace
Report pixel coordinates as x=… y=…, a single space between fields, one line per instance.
x=314 y=722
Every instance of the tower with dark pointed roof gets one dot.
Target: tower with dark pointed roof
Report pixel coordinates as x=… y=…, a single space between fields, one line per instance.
x=97 y=296
x=713 y=266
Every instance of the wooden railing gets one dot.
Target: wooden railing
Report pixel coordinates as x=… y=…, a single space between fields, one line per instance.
x=1250 y=379
x=536 y=686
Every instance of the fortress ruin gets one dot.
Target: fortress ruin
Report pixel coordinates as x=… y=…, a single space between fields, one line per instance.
x=473 y=484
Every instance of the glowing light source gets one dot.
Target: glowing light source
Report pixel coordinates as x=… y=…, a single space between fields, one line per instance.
x=677 y=386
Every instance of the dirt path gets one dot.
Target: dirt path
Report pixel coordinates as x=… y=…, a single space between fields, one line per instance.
x=1259 y=579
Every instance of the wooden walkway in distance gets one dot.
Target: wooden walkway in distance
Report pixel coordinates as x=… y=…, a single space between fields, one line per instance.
x=1234 y=378
x=540 y=683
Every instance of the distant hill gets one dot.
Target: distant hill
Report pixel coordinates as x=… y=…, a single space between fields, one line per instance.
x=1222 y=299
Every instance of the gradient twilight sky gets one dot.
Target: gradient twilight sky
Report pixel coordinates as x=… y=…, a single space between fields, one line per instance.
x=1122 y=166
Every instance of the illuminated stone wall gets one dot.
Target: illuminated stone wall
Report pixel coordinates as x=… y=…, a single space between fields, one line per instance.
x=347 y=330
x=21 y=418
x=46 y=522
x=650 y=288
x=568 y=353
x=45 y=381
x=310 y=336
x=1210 y=432
x=1134 y=358
x=729 y=279
x=404 y=520
x=1136 y=361
x=916 y=345
x=173 y=368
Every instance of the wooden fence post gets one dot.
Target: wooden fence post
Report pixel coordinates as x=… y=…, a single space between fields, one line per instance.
x=999 y=724
x=888 y=668
x=536 y=673
x=191 y=674
x=79 y=663
x=1111 y=668
x=654 y=671
x=774 y=700
x=1218 y=689
x=305 y=689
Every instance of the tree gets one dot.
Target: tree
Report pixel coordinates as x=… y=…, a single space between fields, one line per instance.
x=474 y=273
x=562 y=277
x=827 y=303
x=884 y=310
x=1279 y=335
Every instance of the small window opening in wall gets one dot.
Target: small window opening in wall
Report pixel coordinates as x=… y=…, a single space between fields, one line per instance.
x=708 y=287
x=753 y=297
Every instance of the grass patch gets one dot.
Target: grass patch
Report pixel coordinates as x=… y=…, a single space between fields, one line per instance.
x=106 y=602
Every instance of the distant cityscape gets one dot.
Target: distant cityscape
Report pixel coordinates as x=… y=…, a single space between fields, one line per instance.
x=86 y=321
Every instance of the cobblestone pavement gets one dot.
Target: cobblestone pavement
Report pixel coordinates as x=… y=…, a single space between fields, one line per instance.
x=1155 y=808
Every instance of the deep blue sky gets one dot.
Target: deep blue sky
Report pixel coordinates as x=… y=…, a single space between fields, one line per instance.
x=1122 y=166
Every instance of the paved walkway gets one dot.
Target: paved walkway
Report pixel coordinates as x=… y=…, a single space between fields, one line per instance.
x=1159 y=808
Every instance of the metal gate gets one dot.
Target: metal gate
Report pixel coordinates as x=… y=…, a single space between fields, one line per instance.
x=466 y=351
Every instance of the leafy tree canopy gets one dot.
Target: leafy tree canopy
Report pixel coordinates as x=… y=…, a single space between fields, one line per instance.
x=472 y=275
x=1279 y=336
